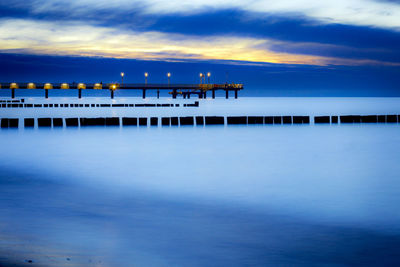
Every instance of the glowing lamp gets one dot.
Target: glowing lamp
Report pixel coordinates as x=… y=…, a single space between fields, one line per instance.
x=31 y=86
x=97 y=86
x=14 y=86
x=81 y=86
x=48 y=86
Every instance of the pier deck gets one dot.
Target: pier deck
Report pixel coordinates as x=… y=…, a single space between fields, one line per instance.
x=185 y=90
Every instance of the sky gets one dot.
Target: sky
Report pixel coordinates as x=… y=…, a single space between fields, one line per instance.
x=303 y=47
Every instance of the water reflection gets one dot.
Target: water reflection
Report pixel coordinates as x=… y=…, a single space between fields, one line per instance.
x=220 y=196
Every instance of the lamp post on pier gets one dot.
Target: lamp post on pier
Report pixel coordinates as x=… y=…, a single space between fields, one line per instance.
x=122 y=78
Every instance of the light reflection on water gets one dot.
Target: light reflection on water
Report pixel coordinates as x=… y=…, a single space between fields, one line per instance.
x=214 y=196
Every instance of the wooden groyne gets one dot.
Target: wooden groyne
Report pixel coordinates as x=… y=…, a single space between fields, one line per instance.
x=195 y=121
x=78 y=105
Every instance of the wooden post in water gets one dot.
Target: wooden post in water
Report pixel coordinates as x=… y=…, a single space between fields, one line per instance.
x=79 y=93
x=144 y=94
x=112 y=94
x=236 y=94
x=13 y=93
x=226 y=93
x=213 y=93
x=46 y=93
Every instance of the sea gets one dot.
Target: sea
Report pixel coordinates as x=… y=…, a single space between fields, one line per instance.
x=218 y=195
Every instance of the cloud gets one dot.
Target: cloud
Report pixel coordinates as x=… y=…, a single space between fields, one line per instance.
x=383 y=14
x=333 y=40
x=74 y=38
x=289 y=32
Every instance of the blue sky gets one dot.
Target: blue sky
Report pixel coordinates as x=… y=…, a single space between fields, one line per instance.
x=299 y=47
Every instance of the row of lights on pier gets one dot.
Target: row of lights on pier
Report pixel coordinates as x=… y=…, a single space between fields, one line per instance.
x=99 y=85
x=146 y=74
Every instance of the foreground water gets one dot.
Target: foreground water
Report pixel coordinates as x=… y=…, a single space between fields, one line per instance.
x=307 y=195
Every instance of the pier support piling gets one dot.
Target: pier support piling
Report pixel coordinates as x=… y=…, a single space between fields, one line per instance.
x=236 y=94
x=144 y=93
x=213 y=93
x=12 y=93
x=80 y=93
x=46 y=93
x=226 y=94
x=112 y=94
x=158 y=93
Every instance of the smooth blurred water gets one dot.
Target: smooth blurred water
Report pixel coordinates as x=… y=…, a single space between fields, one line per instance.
x=305 y=195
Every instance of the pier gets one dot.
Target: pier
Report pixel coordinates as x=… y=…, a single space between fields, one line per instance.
x=175 y=90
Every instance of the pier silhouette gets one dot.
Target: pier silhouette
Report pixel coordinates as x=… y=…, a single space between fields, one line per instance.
x=184 y=90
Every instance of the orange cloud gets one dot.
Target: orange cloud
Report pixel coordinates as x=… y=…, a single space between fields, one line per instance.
x=28 y=36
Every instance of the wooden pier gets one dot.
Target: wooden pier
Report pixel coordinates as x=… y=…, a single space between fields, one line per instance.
x=184 y=90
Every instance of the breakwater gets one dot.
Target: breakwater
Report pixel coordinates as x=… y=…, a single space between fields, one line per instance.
x=17 y=104
x=195 y=121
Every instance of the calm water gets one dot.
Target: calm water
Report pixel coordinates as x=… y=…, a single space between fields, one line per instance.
x=312 y=195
